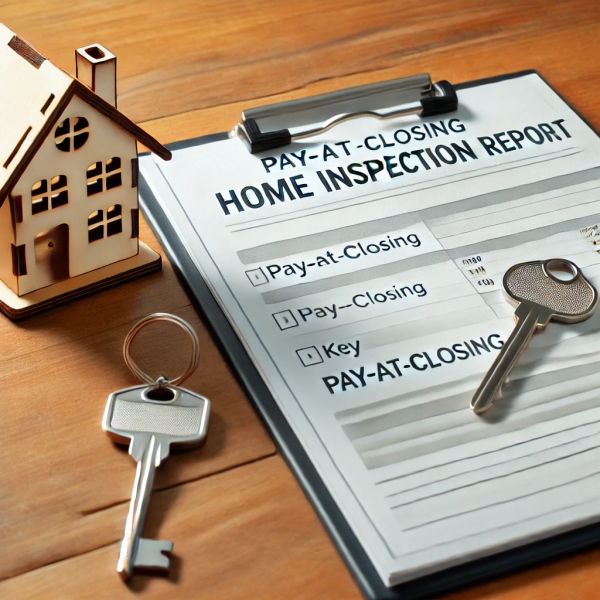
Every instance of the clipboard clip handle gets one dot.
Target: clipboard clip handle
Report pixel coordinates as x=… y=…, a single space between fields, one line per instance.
x=261 y=128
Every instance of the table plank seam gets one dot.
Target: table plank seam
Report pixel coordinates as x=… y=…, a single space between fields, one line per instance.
x=86 y=513
x=497 y=36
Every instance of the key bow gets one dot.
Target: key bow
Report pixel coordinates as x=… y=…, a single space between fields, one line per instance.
x=540 y=296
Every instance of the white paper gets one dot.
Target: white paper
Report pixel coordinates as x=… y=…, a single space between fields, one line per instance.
x=388 y=290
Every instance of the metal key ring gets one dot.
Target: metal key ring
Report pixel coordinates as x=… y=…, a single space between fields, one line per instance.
x=161 y=381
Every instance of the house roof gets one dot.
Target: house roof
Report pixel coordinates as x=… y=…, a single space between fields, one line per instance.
x=33 y=94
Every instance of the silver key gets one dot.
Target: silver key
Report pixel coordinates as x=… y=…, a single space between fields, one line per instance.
x=539 y=297
x=151 y=427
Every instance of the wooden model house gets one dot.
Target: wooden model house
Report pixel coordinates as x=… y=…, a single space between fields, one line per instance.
x=68 y=170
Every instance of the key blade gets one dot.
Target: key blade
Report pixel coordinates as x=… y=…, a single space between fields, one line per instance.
x=140 y=442
x=530 y=317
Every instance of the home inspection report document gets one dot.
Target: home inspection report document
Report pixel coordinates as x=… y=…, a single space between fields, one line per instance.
x=362 y=271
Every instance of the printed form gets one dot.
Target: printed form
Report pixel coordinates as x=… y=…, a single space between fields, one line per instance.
x=362 y=271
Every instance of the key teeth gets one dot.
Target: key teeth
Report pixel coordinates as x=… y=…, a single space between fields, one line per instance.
x=151 y=555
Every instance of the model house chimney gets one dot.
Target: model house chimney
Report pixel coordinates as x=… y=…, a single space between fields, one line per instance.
x=96 y=67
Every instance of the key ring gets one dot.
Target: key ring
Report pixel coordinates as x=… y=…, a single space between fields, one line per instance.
x=161 y=381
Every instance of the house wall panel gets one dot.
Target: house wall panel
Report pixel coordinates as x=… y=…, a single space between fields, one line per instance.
x=106 y=140
x=7 y=235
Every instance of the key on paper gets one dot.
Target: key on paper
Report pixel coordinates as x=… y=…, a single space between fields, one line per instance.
x=540 y=296
x=151 y=427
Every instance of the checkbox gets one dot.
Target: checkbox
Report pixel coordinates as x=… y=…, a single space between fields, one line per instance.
x=309 y=356
x=285 y=319
x=257 y=277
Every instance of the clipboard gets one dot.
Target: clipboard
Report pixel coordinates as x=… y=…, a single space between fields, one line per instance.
x=352 y=552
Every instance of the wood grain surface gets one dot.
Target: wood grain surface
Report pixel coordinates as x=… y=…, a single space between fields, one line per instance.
x=241 y=525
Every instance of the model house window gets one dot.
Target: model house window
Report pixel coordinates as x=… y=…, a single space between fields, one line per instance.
x=72 y=134
x=100 y=222
x=44 y=196
x=104 y=176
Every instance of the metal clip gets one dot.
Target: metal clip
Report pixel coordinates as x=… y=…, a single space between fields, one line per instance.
x=268 y=127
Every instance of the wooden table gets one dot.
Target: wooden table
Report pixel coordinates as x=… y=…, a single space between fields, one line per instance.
x=242 y=527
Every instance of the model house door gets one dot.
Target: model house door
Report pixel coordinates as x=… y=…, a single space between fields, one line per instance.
x=52 y=253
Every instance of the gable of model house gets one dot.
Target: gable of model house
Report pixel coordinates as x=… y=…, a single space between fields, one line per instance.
x=34 y=92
